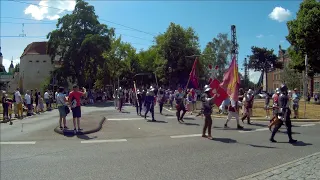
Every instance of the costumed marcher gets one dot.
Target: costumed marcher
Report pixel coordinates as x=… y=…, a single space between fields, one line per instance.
x=115 y=99
x=189 y=101
x=121 y=98
x=241 y=96
x=275 y=109
x=139 y=102
x=207 y=103
x=161 y=98
x=149 y=103
x=248 y=104
x=179 y=97
x=284 y=115
x=233 y=111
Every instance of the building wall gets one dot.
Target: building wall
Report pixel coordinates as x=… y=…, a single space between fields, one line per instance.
x=34 y=69
x=274 y=80
x=14 y=83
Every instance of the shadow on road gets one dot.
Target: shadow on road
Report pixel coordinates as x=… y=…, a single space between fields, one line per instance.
x=259 y=125
x=188 y=118
x=225 y=140
x=191 y=124
x=301 y=143
x=222 y=128
x=157 y=121
x=168 y=115
x=85 y=137
x=258 y=146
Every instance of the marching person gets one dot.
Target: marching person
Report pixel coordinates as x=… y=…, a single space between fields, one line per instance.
x=121 y=98
x=207 y=103
x=179 y=97
x=275 y=109
x=149 y=103
x=233 y=111
x=115 y=98
x=284 y=115
x=248 y=103
x=139 y=102
x=161 y=99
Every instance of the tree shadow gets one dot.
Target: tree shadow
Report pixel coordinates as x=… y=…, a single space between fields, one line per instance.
x=157 y=121
x=101 y=104
x=259 y=146
x=259 y=125
x=191 y=124
x=234 y=129
x=225 y=140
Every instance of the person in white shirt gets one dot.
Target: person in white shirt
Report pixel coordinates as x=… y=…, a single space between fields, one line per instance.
x=46 y=97
x=27 y=99
x=19 y=101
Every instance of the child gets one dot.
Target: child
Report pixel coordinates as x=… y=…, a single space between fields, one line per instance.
x=41 y=105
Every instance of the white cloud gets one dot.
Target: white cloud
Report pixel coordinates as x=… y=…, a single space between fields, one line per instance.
x=280 y=14
x=50 y=9
x=6 y=63
x=282 y=41
x=260 y=36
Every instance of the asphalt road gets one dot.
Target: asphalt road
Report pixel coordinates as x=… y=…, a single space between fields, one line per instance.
x=129 y=147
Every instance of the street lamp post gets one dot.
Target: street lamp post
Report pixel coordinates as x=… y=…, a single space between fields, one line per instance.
x=170 y=71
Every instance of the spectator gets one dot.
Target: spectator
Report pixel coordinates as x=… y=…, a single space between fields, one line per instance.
x=62 y=107
x=75 y=103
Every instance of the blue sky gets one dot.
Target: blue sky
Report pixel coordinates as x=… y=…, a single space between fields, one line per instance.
x=259 y=23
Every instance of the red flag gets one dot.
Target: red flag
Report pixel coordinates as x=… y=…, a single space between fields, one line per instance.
x=193 y=77
x=221 y=94
x=231 y=80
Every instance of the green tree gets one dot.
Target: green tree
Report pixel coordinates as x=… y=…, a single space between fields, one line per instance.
x=291 y=77
x=217 y=52
x=2 y=68
x=304 y=36
x=79 y=42
x=17 y=68
x=173 y=46
x=263 y=60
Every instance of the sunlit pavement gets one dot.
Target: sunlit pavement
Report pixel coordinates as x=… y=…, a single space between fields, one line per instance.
x=129 y=147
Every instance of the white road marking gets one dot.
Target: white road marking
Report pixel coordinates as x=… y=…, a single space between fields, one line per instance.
x=125 y=119
x=307 y=125
x=103 y=141
x=189 y=135
x=18 y=143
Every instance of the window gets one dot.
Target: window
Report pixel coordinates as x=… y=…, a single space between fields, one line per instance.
x=317 y=86
x=37 y=61
x=30 y=61
x=44 y=61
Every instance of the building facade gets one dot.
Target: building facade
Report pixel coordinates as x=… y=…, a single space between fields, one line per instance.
x=35 y=66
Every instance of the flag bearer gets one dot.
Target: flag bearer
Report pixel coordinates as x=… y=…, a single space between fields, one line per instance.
x=207 y=103
x=284 y=114
x=149 y=103
x=179 y=97
x=233 y=111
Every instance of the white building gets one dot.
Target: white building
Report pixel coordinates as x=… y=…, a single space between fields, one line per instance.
x=35 y=66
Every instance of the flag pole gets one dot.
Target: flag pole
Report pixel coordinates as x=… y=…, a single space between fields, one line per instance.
x=190 y=73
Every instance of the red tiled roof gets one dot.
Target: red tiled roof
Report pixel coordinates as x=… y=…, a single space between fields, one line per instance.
x=39 y=48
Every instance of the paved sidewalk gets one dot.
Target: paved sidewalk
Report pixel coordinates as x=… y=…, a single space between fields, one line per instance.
x=303 y=168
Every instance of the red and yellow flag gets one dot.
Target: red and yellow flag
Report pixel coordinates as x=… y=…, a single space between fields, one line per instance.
x=231 y=80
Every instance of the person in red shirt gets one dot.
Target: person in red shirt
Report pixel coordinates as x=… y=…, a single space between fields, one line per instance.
x=75 y=103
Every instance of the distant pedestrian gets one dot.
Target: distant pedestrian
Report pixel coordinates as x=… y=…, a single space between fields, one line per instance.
x=62 y=107
x=75 y=103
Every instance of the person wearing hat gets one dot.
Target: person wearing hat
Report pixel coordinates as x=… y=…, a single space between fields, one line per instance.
x=179 y=97
x=207 y=103
x=284 y=115
x=149 y=103
x=275 y=108
x=248 y=104
x=161 y=98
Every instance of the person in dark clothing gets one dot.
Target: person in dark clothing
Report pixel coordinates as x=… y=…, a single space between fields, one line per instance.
x=161 y=99
x=149 y=103
x=36 y=99
x=284 y=114
x=207 y=103
x=179 y=97
x=5 y=106
x=139 y=103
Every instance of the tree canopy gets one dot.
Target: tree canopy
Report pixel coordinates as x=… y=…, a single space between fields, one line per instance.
x=91 y=55
x=304 y=36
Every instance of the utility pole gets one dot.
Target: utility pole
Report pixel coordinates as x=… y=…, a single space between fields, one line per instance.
x=234 y=49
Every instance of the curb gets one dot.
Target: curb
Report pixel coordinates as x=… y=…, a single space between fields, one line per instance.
x=262 y=120
x=62 y=132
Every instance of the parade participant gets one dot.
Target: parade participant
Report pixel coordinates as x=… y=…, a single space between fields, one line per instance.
x=179 y=97
x=284 y=115
x=233 y=111
x=248 y=103
x=207 y=103
x=149 y=103
x=161 y=98
x=115 y=99
x=121 y=98
x=241 y=96
x=275 y=109
x=139 y=102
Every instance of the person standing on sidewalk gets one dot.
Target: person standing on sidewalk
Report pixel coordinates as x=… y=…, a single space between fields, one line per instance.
x=75 y=103
x=19 y=102
x=62 y=107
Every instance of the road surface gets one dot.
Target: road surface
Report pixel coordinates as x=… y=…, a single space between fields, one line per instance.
x=129 y=147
